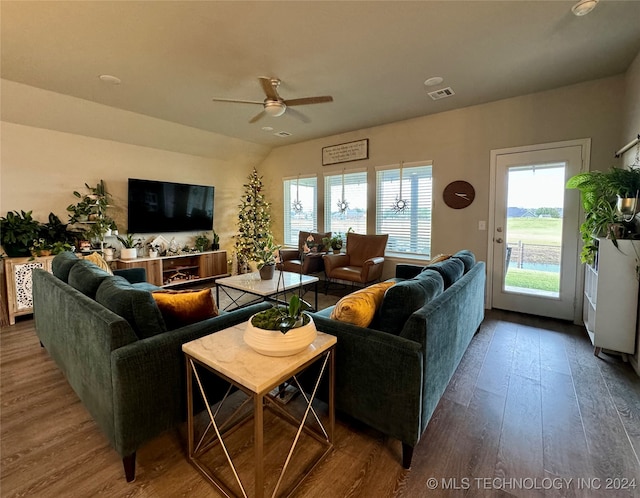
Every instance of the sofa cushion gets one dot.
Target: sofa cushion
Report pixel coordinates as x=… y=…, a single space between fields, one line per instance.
x=86 y=277
x=360 y=306
x=450 y=270
x=99 y=261
x=137 y=306
x=407 y=296
x=438 y=258
x=467 y=258
x=184 y=307
x=62 y=264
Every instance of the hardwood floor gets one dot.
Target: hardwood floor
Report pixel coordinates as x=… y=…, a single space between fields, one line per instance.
x=529 y=412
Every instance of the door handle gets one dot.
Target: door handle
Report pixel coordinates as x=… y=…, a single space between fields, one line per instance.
x=499 y=240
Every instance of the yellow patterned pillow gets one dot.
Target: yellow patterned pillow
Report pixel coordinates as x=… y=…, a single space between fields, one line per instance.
x=438 y=258
x=99 y=261
x=360 y=306
x=183 y=307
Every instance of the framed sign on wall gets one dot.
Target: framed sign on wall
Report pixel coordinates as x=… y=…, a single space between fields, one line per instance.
x=343 y=153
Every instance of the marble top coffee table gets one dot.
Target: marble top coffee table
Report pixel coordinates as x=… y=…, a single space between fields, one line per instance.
x=251 y=283
x=225 y=354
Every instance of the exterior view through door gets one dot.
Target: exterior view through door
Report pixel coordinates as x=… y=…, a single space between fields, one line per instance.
x=534 y=244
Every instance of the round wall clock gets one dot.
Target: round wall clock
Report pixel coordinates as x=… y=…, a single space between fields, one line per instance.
x=458 y=194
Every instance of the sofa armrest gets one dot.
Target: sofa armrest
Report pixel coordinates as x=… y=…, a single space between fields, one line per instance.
x=149 y=384
x=379 y=377
x=133 y=275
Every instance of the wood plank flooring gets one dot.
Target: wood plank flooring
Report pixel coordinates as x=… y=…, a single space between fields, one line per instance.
x=529 y=413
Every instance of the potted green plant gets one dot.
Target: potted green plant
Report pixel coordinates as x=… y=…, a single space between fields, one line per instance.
x=202 y=242
x=282 y=330
x=129 y=246
x=215 y=245
x=265 y=252
x=598 y=192
x=336 y=242
x=91 y=209
x=18 y=230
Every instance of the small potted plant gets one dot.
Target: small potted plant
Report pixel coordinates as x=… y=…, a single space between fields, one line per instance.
x=215 y=246
x=335 y=243
x=266 y=256
x=282 y=330
x=129 y=246
x=202 y=242
x=154 y=250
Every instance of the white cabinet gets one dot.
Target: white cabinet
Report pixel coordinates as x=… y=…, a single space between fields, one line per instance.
x=20 y=285
x=611 y=297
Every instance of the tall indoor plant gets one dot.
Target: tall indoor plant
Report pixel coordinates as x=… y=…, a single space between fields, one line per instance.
x=600 y=192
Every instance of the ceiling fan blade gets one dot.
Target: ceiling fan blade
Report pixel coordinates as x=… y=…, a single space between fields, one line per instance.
x=258 y=116
x=309 y=100
x=236 y=101
x=269 y=88
x=298 y=115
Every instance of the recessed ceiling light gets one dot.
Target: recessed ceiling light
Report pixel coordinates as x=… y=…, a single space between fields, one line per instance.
x=107 y=78
x=267 y=128
x=583 y=7
x=436 y=80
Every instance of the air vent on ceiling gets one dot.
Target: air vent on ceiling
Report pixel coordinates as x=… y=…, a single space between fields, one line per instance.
x=442 y=93
x=282 y=134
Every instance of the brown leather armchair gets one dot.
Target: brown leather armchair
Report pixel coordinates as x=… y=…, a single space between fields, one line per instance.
x=292 y=260
x=363 y=261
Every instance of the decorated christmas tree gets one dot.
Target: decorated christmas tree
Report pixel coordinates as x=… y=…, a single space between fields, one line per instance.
x=254 y=219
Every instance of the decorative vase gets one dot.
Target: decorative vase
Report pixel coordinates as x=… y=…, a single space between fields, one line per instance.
x=275 y=343
x=108 y=254
x=267 y=272
x=128 y=253
x=153 y=254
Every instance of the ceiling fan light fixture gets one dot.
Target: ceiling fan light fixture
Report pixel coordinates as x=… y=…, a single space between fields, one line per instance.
x=275 y=109
x=583 y=7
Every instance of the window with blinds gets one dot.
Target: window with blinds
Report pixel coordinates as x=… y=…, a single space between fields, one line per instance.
x=403 y=208
x=300 y=207
x=345 y=202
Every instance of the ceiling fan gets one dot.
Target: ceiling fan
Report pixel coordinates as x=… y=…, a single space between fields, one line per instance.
x=274 y=105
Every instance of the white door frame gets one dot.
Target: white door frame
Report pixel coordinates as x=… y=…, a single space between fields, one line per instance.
x=585 y=143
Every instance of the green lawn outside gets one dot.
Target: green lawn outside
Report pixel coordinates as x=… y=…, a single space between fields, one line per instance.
x=544 y=231
x=532 y=279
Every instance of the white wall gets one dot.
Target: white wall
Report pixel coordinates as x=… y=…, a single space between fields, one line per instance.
x=41 y=167
x=631 y=131
x=459 y=143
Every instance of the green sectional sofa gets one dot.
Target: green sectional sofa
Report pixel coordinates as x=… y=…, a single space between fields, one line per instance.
x=109 y=339
x=392 y=374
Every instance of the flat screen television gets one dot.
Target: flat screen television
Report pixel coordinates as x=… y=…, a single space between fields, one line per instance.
x=156 y=206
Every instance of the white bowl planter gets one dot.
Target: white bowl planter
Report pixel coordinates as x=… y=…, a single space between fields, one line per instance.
x=275 y=343
x=128 y=253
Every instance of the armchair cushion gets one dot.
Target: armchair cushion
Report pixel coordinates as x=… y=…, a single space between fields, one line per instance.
x=359 y=307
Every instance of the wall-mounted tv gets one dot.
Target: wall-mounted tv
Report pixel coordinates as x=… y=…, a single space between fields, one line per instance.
x=156 y=206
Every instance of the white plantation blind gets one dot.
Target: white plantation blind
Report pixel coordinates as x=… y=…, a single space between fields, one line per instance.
x=304 y=190
x=354 y=193
x=409 y=229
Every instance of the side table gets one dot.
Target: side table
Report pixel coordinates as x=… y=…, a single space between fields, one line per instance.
x=225 y=354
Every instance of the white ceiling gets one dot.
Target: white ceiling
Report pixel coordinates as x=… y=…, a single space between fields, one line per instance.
x=371 y=56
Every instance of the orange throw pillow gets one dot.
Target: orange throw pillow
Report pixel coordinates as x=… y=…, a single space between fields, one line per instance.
x=359 y=307
x=184 y=307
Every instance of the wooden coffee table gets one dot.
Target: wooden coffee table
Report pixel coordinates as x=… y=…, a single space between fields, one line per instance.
x=225 y=354
x=252 y=284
